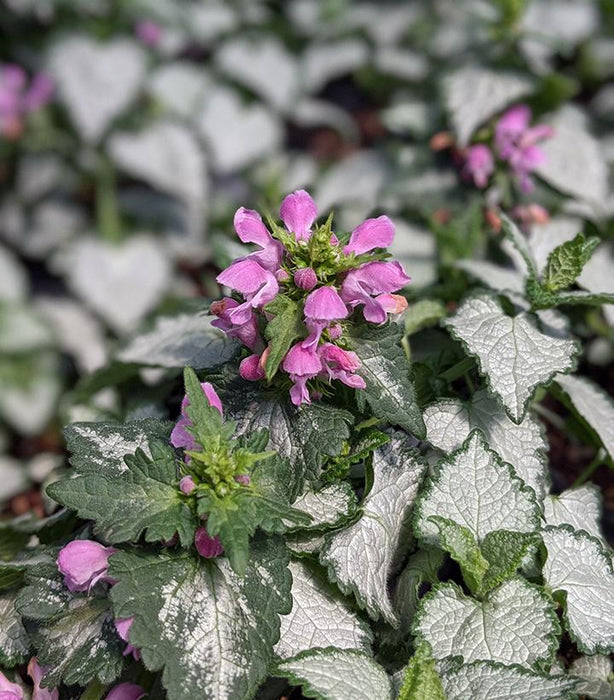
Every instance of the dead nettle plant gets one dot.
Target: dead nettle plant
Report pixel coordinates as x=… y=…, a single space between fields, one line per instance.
x=354 y=498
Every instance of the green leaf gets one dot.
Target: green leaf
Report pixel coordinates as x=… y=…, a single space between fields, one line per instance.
x=281 y=331
x=504 y=551
x=210 y=630
x=236 y=517
x=142 y=498
x=336 y=674
x=421 y=680
x=16 y=533
x=566 y=261
x=463 y=548
x=390 y=390
x=206 y=420
x=73 y=634
x=422 y=314
x=14 y=642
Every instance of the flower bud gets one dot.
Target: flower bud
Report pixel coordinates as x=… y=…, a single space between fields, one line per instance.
x=305 y=278
x=243 y=479
x=187 y=485
x=335 y=331
x=250 y=368
x=83 y=563
x=126 y=691
x=281 y=275
x=207 y=546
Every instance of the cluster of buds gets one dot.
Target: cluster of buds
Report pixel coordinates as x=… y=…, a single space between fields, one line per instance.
x=327 y=278
x=515 y=143
x=17 y=98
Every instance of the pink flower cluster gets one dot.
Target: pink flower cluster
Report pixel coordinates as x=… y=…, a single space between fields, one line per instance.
x=13 y=691
x=329 y=284
x=515 y=144
x=17 y=98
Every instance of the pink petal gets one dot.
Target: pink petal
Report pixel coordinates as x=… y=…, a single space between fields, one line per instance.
x=250 y=369
x=392 y=303
x=299 y=394
x=8 y=690
x=302 y=362
x=298 y=212
x=126 y=691
x=245 y=276
x=83 y=563
x=372 y=233
x=325 y=304
x=207 y=546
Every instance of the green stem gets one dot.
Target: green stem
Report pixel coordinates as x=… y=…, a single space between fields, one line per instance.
x=458 y=370
x=592 y=467
x=107 y=212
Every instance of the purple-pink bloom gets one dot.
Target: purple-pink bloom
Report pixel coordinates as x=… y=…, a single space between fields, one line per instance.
x=298 y=211
x=258 y=286
x=251 y=368
x=83 y=563
x=36 y=673
x=341 y=364
x=16 y=100
x=301 y=364
x=180 y=435
x=247 y=332
x=187 y=484
x=8 y=690
x=243 y=479
x=126 y=691
x=479 y=164
x=305 y=278
x=123 y=625
x=250 y=229
x=207 y=546
x=322 y=306
x=148 y=32
x=39 y=92
x=371 y=234
x=371 y=284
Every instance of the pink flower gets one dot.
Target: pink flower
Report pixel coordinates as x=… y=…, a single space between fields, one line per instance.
x=247 y=332
x=341 y=364
x=243 y=479
x=180 y=436
x=250 y=229
x=148 y=32
x=251 y=368
x=8 y=690
x=207 y=546
x=298 y=212
x=257 y=285
x=301 y=364
x=479 y=165
x=123 y=625
x=516 y=143
x=36 y=673
x=305 y=278
x=126 y=691
x=16 y=100
x=371 y=234
x=83 y=563
x=322 y=306
x=187 y=484
x=39 y=93
x=371 y=285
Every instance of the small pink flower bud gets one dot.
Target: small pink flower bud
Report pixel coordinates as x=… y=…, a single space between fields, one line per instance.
x=335 y=331
x=282 y=275
x=187 y=485
x=334 y=240
x=250 y=368
x=305 y=278
x=83 y=563
x=207 y=546
x=126 y=691
x=243 y=479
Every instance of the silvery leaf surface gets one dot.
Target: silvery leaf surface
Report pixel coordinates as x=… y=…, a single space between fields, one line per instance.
x=473 y=94
x=577 y=565
x=595 y=674
x=514 y=353
x=596 y=277
x=476 y=490
x=593 y=405
x=14 y=642
x=359 y=558
x=335 y=674
x=328 y=506
x=179 y=341
x=579 y=507
x=210 y=630
x=523 y=445
x=320 y=617
x=514 y=624
x=485 y=680
x=13 y=281
x=496 y=277
x=96 y=80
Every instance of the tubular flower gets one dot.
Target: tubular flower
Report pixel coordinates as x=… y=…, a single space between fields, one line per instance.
x=126 y=691
x=18 y=99
x=8 y=690
x=316 y=279
x=123 y=625
x=84 y=563
x=479 y=165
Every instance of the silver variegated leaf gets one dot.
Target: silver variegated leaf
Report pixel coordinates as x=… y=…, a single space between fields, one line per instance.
x=577 y=565
x=595 y=674
x=328 y=506
x=580 y=508
x=320 y=617
x=596 y=277
x=474 y=489
x=495 y=681
x=523 y=445
x=335 y=674
x=14 y=642
x=515 y=624
x=359 y=558
x=592 y=404
x=514 y=353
